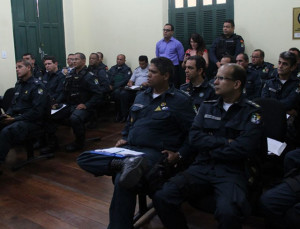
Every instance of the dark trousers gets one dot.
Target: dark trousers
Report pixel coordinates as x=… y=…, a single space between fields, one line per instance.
x=76 y=118
x=231 y=203
x=281 y=207
x=123 y=202
x=126 y=99
x=14 y=133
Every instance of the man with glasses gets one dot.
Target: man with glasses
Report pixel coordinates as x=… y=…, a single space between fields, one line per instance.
x=263 y=68
x=172 y=49
x=225 y=133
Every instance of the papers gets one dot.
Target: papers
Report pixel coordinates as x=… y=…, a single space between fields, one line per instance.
x=133 y=87
x=54 y=111
x=117 y=152
x=275 y=147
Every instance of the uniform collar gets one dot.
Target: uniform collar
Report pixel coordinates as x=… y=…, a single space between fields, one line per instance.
x=241 y=101
x=170 y=91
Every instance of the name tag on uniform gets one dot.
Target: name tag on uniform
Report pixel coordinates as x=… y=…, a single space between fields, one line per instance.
x=138 y=105
x=212 y=117
x=272 y=89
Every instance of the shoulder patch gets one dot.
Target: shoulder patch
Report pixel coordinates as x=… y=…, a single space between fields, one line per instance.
x=252 y=103
x=210 y=101
x=256 y=118
x=92 y=73
x=40 y=91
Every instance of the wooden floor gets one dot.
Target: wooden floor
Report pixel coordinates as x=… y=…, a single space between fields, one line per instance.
x=56 y=193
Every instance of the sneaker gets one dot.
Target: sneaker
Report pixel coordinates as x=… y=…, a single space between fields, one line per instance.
x=133 y=170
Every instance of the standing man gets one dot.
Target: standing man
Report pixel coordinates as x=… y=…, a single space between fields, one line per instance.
x=81 y=95
x=198 y=87
x=158 y=125
x=253 y=84
x=228 y=43
x=263 y=68
x=53 y=79
x=225 y=133
x=36 y=71
x=26 y=112
x=172 y=49
x=119 y=76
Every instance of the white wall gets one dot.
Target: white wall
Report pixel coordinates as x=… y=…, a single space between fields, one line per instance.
x=7 y=66
x=131 y=27
x=266 y=24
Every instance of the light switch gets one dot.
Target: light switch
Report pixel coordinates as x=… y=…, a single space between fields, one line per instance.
x=4 y=54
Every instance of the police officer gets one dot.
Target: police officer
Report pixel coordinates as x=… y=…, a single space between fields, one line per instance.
x=253 y=84
x=26 y=112
x=94 y=65
x=228 y=43
x=296 y=51
x=139 y=78
x=36 y=71
x=198 y=87
x=263 y=68
x=226 y=133
x=53 y=79
x=119 y=76
x=81 y=95
x=158 y=124
x=100 y=63
x=281 y=204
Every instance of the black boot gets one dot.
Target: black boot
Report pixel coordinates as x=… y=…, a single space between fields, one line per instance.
x=78 y=144
x=51 y=147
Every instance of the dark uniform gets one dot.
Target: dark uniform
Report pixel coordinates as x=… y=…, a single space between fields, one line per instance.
x=253 y=84
x=28 y=107
x=79 y=88
x=221 y=46
x=54 y=82
x=205 y=91
x=155 y=124
x=296 y=72
x=98 y=70
x=286 y=93
x=37 y=72
x=265 y=71
x=219 y=167
x=281 y=204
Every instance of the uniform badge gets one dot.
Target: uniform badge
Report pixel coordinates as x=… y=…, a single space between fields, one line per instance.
x=131 y=120
x=298 y=90
x=265 y=70
x=165 y=108
x=40 y=91
x=96 y=81
x=256 y=118
x=298 y=75
x=26 y=92
x=163 y=104
x=158 y=108
x=201 y=94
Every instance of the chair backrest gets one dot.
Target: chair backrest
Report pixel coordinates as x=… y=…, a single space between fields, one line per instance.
x=274 y=118
x=7 y=98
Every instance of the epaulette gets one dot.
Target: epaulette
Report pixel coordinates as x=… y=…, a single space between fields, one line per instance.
x=210 y=101
x=183 y=93
x=92 y=73
x=252 y=103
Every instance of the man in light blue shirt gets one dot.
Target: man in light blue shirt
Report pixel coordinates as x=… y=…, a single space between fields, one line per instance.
x=172 y=49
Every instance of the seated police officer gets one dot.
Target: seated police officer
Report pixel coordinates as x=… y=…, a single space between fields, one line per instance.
x=138 y=78
x=53 y=79
x=95 y=67
x=158 y=124
x=296 y=51
x=36 y=71
x=198 y=87
x=281 y=204
x=81 y=95
x=253 y=84
x=263 y=68
x=26 y=112
x=228 y=43
x=100 y=62
x=226 y=133
x=119 y=76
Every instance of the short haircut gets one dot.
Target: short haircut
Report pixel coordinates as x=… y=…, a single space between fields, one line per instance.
x=143 y=58
x=29 y=54
x=93 y=53
x=52 y=58
x=82 y=56
x=232 y=60
x=290 y=57
x=122 y=55
x=295 y=50
x=71 y=54
x=100 y=55
x=245 y=56
x=262 y=53
x=172 y=26
x=238 y=73
x=164 y=65
x=24 y=62
x=229 y=21
x=200 y=62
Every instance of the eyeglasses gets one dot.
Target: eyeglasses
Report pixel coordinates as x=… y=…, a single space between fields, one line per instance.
x=221 y=78
x=167 y=30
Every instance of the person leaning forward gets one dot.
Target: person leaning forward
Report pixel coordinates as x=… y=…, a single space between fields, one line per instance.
x=225 y=133
x=158 y=126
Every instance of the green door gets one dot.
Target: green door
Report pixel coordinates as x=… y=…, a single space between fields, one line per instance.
x=39 y=29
